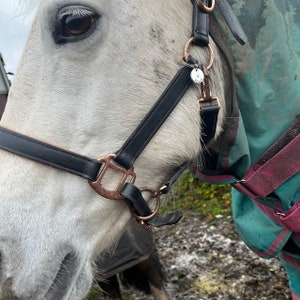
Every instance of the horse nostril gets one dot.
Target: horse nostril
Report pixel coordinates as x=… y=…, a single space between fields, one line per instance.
x=8 y=255
x=1 y=268
x=5 y=273
x=64 y=277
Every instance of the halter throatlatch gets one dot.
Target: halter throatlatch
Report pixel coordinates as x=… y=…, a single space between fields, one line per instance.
x=122 y=162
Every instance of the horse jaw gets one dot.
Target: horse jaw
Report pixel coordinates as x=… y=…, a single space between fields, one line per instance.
x=88 y=97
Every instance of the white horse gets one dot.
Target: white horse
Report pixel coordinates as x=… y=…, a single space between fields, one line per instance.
x=85 y=88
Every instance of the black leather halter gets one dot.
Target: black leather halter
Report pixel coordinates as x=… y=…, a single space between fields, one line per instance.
x=123 y=161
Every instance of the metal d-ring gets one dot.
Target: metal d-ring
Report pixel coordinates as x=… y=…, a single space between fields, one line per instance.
x=155 y=195
x=186 y=53
x=206 y=9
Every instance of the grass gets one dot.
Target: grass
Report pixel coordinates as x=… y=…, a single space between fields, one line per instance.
x=192 y=195
x=94 y=292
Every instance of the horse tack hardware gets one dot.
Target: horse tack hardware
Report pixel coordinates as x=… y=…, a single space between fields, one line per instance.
x=122 y=162
x=126 y=176
x=156 y=196
x=200 y=74
x=205 y=8
x=209 y=106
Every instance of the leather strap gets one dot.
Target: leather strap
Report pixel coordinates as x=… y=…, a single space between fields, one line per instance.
x=168 y=185
x=48 y=154
x=201 y=23
x=200 y=29
x=139 y=139
x=138 y=205
x=232 y=21
x=89 y=168
x=209 y=117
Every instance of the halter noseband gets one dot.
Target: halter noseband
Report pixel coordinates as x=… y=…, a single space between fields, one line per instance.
x=122 y=162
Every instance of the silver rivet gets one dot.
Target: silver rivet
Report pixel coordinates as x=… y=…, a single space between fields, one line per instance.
x=197 y=75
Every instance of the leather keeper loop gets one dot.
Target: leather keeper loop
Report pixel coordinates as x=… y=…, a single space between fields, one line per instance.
x=200 y=26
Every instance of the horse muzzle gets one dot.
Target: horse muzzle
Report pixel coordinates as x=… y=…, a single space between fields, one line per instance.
x=55 y=277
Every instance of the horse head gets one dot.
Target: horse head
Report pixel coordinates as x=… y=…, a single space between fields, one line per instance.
x=90 y=72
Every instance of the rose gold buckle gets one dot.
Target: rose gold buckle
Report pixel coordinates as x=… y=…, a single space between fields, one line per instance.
x=126 y=176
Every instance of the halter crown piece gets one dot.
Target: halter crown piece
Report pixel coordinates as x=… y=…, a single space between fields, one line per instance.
x=122 y=162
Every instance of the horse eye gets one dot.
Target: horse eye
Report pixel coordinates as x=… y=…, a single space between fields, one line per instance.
x=74 y=23
x=77 y=25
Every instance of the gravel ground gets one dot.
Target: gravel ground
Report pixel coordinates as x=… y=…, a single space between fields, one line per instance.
x=206 y=260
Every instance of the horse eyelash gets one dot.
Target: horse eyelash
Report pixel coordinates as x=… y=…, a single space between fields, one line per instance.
x=75 y=11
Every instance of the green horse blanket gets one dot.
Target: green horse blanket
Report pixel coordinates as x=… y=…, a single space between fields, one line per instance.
x=267 y=81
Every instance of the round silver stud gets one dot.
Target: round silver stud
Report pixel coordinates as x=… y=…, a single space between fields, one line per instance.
x=197 y=75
